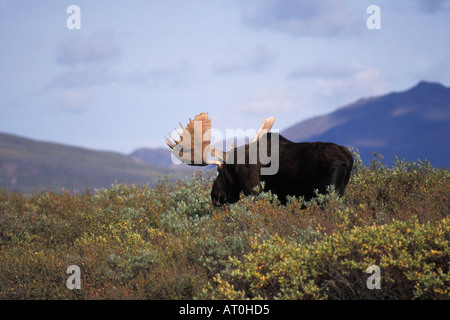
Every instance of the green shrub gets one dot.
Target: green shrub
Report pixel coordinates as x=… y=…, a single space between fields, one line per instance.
x=169 y=242
x=414 y=260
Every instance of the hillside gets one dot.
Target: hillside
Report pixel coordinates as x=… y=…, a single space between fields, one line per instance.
x=155 y=157
x=413 y=124
x=28 y=166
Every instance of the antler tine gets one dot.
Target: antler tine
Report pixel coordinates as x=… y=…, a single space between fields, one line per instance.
x=176 y=141
x=259 y=130
x=170 y=143
x=266 y=125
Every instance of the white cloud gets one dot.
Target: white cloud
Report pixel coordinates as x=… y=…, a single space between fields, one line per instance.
x=361 y=81
x=87 y=62
x=300 y=17
x=267 y=102
x=322 y=70
x=83 y=77
x=323 y=89
x=431 y=70
x=433 y=6
x=253 y=61
x=170 y=75
x=74 y=101
x=87 y=50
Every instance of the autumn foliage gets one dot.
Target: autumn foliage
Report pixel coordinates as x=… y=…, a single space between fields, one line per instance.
x=169 y=242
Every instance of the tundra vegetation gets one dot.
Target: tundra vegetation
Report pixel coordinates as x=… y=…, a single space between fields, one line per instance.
x=171 y=242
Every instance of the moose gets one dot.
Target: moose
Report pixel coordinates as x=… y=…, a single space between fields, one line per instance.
x=299 y=170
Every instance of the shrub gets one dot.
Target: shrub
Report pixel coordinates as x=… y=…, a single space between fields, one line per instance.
x=414 y=260
x=169 y=242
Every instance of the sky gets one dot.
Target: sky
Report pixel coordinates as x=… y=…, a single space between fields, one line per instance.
x=120 y=75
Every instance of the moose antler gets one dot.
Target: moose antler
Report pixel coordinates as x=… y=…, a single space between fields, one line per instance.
x=194 y=144
x=265 y=127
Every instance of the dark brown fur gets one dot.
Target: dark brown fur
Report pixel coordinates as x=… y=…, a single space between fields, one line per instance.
x=303 y=168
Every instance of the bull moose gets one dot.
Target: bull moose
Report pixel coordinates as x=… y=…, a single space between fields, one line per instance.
x=285 y=167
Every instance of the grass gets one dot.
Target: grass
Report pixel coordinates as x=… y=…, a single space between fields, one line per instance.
x=169 y=242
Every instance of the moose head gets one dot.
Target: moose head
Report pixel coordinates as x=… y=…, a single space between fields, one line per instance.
x=238 y=172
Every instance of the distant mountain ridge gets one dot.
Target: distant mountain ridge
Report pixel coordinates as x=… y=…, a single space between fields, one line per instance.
x=28 y=166
x=159 y=157
x=412 y=124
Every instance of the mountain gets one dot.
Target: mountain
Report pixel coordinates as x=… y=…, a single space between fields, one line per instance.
x=155 y=157
x=160 y=157
x=413 y=124
x=29 y=166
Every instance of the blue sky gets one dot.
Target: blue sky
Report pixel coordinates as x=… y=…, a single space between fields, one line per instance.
x=137 y=68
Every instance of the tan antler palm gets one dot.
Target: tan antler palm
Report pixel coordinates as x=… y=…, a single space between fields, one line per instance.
x=194 y=144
